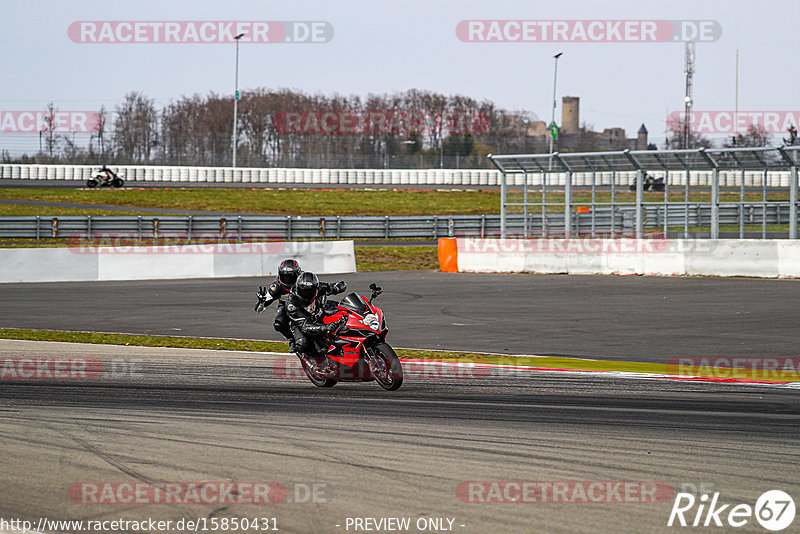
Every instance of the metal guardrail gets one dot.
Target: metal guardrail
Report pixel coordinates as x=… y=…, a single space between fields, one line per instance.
x=603 y=220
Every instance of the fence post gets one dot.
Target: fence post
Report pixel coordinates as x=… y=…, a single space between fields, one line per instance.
x=502 y=205
x=715 y=203
x=568 y=206
x=793 y=204
x=639 y=199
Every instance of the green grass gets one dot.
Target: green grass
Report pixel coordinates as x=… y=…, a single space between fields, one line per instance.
x=271 y=201
x=392 y=258
x=540 y=362
x=319 y=201
x=8 y=210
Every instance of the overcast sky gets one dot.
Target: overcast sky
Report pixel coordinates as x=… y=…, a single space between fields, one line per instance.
x=381 y=47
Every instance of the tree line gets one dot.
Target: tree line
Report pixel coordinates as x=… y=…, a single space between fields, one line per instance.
x=290 y=128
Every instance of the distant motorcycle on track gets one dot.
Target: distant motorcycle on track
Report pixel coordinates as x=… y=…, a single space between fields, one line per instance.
x=105 y=179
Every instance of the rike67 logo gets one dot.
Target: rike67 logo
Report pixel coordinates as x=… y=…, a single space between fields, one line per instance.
x=774 y=510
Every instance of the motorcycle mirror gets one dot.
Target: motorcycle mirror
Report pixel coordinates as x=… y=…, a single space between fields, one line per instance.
x=373 y=286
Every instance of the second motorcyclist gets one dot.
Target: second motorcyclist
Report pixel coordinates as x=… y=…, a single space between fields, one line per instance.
x=288 y=271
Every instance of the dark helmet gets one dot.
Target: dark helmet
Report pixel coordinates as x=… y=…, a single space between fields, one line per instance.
x=306 y=286
x=288 y=272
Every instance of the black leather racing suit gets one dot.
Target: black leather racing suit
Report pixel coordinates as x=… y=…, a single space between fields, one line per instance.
x=277 y=290
x=305 y=319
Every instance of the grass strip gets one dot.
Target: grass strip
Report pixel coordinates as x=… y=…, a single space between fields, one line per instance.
x=539 y=362
x=396 y=258
x=324 y=202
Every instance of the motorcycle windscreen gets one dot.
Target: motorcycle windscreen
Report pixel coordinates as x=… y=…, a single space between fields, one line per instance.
x=353 y=301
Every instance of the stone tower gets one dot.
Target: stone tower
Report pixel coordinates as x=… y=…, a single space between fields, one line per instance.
x=570 y=114
x=641 y=138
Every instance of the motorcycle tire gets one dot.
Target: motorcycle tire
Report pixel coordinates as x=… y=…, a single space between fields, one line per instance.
x=390 y=377
x=91 y=183
x=317 y=380
x=117 y=182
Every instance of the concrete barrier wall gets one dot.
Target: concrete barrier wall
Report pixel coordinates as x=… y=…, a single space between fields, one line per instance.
x=699 y=257
x=171 y=262
x=431 y=177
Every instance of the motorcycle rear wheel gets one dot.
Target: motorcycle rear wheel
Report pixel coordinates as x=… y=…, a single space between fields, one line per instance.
x=117 y=182
x=387 y=370
x=319 y=381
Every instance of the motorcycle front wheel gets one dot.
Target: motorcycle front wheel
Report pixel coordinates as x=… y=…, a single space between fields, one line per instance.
x=91 y=183
x=385 y=367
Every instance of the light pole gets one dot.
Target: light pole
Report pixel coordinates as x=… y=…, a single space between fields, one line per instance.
x=553 y=116
x=236 y=102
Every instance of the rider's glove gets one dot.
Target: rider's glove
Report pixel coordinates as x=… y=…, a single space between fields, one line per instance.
x=340 y=286
x=262 y=299
x=262 y=293
x=336 y=324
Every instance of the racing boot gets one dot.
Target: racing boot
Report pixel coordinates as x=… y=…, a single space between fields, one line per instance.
x=324 y=368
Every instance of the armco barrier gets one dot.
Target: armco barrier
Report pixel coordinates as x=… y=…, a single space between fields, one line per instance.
x=696 y=257
x=604 y=220
x=92 y=263
x=381 y=177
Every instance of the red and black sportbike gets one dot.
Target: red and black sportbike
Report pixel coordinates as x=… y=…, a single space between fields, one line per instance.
x=358 y=350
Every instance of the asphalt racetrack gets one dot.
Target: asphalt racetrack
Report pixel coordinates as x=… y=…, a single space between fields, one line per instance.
x=653 y=319
x=434 y=449
x=161 y=415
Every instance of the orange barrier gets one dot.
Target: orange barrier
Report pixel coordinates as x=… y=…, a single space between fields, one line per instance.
x=448 y=255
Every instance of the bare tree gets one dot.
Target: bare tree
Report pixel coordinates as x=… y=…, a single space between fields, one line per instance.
x=135 y=128
x=49 y=130
x=756 y=136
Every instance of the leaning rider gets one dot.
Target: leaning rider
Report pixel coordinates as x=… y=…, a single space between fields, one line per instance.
x=107 y=173
x=306 y=311
x=288 y=271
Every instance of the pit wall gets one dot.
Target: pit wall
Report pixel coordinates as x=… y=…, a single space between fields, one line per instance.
x=761 y=258
x=93 y=263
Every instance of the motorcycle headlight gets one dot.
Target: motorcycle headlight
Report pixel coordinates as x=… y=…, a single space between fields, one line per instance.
x=371 y=320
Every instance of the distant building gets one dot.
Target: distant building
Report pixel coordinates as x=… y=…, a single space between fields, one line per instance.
x=574 y=138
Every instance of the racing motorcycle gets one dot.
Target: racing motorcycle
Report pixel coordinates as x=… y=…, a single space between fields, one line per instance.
x=357 y=350
x=103 y=180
